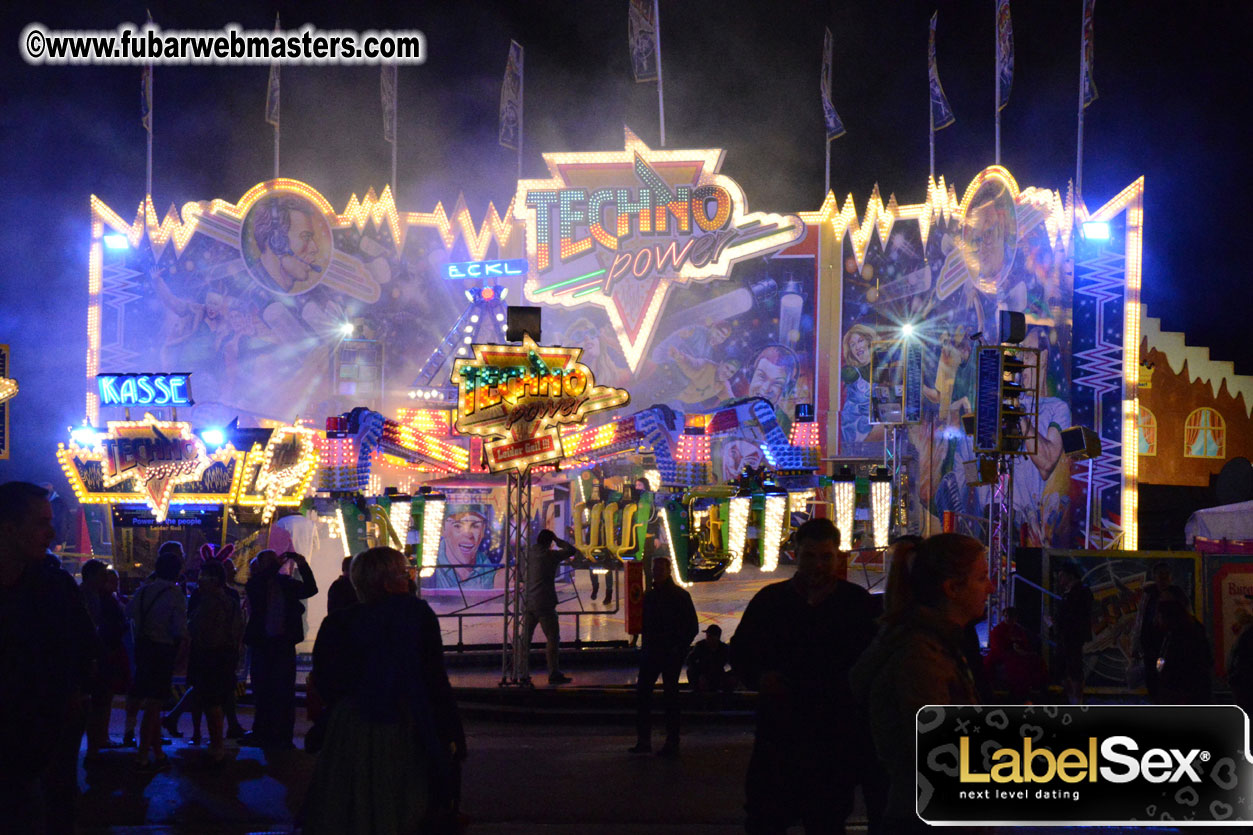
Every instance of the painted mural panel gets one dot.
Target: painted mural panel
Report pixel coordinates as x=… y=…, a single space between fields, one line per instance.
x=999 y=249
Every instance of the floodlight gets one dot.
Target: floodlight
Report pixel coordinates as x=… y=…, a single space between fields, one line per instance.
x=1096 y=230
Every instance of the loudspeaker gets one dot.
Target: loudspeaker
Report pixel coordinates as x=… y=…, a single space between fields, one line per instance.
x=982 y=470
x=1013 y=327
x=1080 y=442
x=523 y=320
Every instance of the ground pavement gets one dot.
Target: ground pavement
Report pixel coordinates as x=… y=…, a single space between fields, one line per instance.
x=549 y=778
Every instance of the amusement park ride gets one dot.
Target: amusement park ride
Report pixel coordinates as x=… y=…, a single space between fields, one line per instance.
x=770 y=356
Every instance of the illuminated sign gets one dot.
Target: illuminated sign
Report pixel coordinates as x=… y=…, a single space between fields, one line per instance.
x=287 y=465
x=162 y=463
x=485 y=269
x=144 y=389
x=155 y=455
x=518 y=396
x=617 y=229
x=8 y=388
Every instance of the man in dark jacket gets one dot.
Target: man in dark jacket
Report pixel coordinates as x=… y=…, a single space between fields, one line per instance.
x=1148 y=630
x=275 y=626
x=669 y=627
x=795 y=645
x=47 y=648
x=341 y=594
x=1073 y=626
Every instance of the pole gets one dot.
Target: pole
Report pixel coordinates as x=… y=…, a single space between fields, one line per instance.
x=661 y=102
x=276 y=151
x=521 y=111
x=1087 y=523
x=828 y=177
x=996 y=103
x=395 y=125
x=1079 y=143
x=931 y=128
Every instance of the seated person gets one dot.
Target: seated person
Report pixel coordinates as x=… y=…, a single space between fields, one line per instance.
x=707 y=664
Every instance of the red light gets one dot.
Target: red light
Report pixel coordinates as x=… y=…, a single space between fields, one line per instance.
x=488 y=294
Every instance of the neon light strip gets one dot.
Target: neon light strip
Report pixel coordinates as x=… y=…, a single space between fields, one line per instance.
x=674 y=560
x=772 y=532
x=1131 y=200
x=570 y=281
x=587 y=290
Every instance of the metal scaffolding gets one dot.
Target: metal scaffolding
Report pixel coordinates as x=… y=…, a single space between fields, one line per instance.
x=515 y=656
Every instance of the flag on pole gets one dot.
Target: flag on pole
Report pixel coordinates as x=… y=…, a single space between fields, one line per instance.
x=1004 y=52
x=387 y=85
x=642 y=40
x=511 y=98
x=835 y=128
x=272 y=91
x=1089 y=86
x=145 y=99
x=941 y=113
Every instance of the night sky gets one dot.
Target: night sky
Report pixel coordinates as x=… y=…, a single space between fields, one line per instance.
x=1173 y=84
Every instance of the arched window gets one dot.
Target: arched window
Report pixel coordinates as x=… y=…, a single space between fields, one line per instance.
x=1148 y=432
x=1205 y=435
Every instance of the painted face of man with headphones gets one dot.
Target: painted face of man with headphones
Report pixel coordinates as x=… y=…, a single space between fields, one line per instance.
x=288 y=242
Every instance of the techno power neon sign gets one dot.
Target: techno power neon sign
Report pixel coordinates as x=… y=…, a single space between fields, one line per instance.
x=128 y=390
x=616 y=229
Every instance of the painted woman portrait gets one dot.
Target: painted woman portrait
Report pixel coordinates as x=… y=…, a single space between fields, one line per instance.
x=855 y=374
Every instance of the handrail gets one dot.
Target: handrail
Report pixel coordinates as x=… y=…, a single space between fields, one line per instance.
x=1016 y=576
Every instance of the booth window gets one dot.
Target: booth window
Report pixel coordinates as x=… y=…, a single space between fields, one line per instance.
x=1205 y=435
x=1148 y=432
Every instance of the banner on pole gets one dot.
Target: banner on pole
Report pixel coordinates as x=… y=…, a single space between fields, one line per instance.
x=642 y=40
x=1089 y=86
x=511 y=98
x=835 y=128
x=387 y=84
x=941 y=113
x=1004 y=53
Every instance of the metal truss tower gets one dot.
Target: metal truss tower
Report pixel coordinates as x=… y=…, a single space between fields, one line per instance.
x=515 y=661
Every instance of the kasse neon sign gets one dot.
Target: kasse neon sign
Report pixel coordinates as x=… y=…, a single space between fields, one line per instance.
x=616 y=229
x=144 y=389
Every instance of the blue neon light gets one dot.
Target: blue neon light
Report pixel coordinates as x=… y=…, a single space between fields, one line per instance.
x=485 y=269
x=144 y=389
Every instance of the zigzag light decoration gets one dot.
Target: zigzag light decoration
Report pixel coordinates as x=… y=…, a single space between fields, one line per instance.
x=941 y=203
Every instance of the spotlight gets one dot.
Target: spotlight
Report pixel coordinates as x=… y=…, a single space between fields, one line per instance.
x=213 y=437
x=116 y=242
x=907 y=329
x=474 y=318
x=85 y=436
x=347 y=329
x=1096 y=230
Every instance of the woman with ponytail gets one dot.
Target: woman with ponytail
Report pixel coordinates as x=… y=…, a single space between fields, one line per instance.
x=936 y=588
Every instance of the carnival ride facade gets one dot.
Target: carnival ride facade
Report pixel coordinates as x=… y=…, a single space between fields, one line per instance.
x=752 y=336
